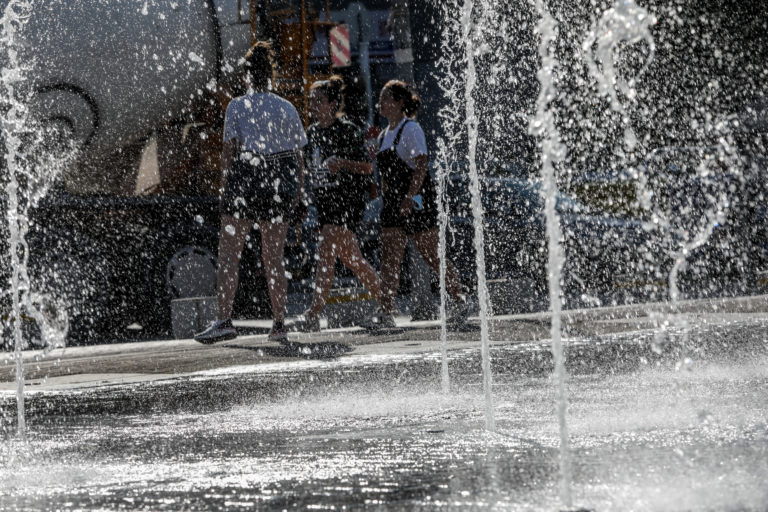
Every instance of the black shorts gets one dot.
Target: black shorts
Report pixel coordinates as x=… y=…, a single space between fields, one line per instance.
x=339 y=209
x=262 y=188
x=418 y=220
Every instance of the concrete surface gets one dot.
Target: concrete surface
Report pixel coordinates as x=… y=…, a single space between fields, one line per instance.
x=97 y=365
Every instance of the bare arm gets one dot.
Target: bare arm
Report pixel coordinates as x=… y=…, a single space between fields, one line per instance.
x=419 y=174
x=302 y=171
x=227 y=157
x=336 y=164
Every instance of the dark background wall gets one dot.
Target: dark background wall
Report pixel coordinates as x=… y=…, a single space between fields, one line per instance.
x=710 y=64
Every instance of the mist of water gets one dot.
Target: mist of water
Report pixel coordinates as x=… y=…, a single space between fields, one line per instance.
x=683 y=227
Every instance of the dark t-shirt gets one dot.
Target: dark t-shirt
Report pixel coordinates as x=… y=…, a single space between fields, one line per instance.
x=344 y=140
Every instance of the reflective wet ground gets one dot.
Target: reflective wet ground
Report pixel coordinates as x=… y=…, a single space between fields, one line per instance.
x=650 y=431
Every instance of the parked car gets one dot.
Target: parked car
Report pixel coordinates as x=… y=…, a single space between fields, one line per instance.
x=711 y=210
x=607 y=258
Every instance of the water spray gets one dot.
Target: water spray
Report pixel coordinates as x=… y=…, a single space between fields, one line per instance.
x=553 y=151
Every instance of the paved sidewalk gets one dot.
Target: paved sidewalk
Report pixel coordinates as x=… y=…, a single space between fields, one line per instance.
x=98 y=365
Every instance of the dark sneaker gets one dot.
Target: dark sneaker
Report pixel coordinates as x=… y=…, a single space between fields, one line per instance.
x=218 y=330
x=457 y=320
x=278 y=334
x=379 y=320
x=307 y=322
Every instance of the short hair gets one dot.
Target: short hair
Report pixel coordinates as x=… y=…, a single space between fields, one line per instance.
x=333 y=88
x=400 y=90
x=259 y=63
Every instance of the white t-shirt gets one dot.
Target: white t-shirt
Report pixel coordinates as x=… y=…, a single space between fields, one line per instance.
x=413 y=143
x=264 y=123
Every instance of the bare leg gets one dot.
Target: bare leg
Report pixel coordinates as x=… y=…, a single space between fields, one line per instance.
x=392 y=246
x=340 y=241
x=325 y=268
x=231 y=241
x=348 y=251
x=427 y=243
x=272 y=245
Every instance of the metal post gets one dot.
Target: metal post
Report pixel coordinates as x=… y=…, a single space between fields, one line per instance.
x=304 y=59
x=253 y=20
x=401 y=31
x=363 y=24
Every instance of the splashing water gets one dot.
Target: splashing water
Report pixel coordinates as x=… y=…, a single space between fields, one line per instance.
x=459 y=117
x=624 y=22
x=552 y=152
x=31 y=169
x=449 y=116
x=685 y=228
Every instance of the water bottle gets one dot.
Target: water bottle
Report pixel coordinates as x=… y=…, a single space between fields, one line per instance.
x=317 y=160
x=317 y=168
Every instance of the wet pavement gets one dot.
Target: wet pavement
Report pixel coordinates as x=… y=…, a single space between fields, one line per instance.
x=587 y=329
x=353 y=421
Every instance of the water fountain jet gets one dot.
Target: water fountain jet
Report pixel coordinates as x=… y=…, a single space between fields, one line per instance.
x=31 y=168
x=552 y=153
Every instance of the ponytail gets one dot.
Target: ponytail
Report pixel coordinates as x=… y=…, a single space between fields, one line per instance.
x=402 y=91
x=259 y=64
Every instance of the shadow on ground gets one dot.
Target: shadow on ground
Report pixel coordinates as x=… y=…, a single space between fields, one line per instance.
x=320 y=350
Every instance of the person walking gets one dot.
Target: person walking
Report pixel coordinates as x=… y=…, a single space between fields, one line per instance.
x=263 y=171
x=410 y=199
x=340 y=173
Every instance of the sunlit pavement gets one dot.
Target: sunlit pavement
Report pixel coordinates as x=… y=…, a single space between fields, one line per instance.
x=85 y=366
x=661 y=418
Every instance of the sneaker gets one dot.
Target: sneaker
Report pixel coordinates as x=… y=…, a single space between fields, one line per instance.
x=307 y=322
x=218 y=330
x=379 y=320
x=278 y=334
x=457 y=320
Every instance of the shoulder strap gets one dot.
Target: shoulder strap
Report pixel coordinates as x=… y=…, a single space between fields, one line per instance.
x=400 y=133
x=380 y=140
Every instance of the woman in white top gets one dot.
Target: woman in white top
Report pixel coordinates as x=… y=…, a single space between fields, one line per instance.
x=410 y=198
x=263 y=174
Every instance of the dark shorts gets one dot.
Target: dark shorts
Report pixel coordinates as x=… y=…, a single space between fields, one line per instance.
x=262 y=188
x=417 y=221
x=336 y=209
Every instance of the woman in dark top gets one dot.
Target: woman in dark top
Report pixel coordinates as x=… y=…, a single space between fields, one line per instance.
x=410 y=198
x=263 y=170
x=340 y=175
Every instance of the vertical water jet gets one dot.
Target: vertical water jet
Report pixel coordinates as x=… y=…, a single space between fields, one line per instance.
x=14 y=120
x=477 y=205
x=34 y=157
x=449 y=115
x=552 y=152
